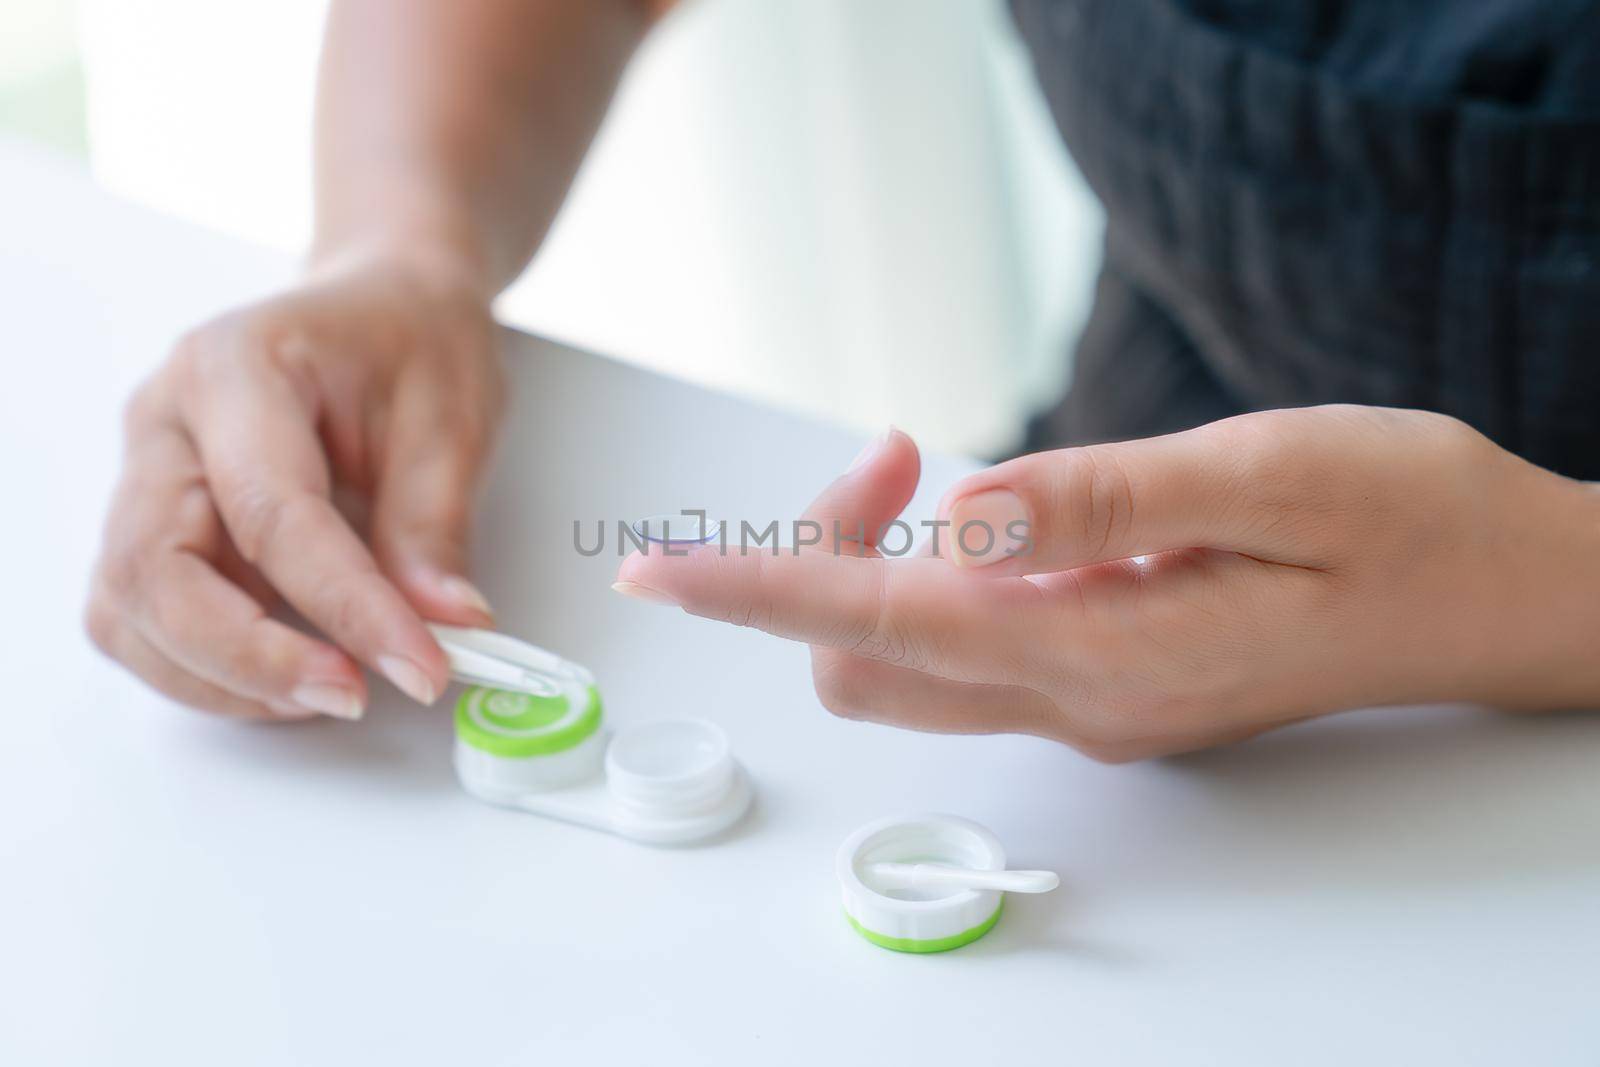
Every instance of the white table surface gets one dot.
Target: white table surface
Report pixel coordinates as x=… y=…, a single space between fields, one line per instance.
x=1416 y=886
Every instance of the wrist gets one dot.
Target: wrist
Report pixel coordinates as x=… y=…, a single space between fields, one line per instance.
x=436 y=259
x=1547 y=636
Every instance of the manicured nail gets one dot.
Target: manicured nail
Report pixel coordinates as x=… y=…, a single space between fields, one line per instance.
x=334 y=700
x=870 y=452
x=408 y=678
x=982 y=527
x=290 y=712
x=643 y=592
x=465 y=594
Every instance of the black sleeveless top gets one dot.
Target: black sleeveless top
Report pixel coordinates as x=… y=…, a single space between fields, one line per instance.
x=1389 y=202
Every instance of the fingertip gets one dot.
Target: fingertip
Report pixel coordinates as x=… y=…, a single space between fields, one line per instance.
x=1015 y=473
x=903 y=460
x=892 y=455
x=983 y=524
x=870 y=494
x=334 y=701
x=904 y=443
x=675 y=577
x=629 y=569
x=285 y=712
x=870 y=451
x=466 y=595
x=639 y=569
x=415 y=664
x=417 y=681
x=643 y=592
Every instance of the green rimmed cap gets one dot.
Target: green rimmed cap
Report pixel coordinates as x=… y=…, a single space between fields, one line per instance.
x=932 y=944
x=521 y=725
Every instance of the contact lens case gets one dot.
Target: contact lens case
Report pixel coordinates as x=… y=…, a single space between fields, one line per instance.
x=542 y=747
x=927 y=883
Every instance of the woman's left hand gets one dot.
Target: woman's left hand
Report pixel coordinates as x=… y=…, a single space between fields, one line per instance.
x=1187 y=590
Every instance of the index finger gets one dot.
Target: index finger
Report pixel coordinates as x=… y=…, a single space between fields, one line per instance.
x=269 y=476
x=916 y=613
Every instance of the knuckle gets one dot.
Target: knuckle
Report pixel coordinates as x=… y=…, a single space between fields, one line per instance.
x=353 y=606
x=145 y=406
x=749 y=611
x=1453 y=437
x=886 y=637
x=442 y=531
x=1280 y=481
x=1104 y=733
x=448 y=459
x=886 y=645
x=285 y=344
x=1100 y=495
x=257 y=518
x=1266 y=448
x=752 y=606
x=341 y=608
x=211 y=352
x=1103 y=738
x=245 y=661
x=198 y=350
x=270 y=652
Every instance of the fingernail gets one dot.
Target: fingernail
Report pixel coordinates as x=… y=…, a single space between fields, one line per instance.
x=867 y=454
x=465 y=594
x=290 y=712
x=408 y=678
x=643 y=592
x=981 y=527
x=334 y=700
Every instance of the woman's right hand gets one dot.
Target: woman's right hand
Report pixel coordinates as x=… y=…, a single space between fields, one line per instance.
x=375 y=377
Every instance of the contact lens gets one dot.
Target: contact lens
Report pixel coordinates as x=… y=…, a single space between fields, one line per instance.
x=680 y=529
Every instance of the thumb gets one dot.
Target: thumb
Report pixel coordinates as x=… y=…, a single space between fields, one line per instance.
x=854 y=509
x=423 y=509
x=1053 y=511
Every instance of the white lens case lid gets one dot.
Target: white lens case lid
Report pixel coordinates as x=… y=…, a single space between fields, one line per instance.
x=500 y=661
x=927 y=882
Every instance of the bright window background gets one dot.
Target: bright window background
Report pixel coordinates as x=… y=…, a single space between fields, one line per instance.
x=855 y=208
x=41 y=82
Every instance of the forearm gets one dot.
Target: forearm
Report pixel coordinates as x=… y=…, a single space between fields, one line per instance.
x=448 y=133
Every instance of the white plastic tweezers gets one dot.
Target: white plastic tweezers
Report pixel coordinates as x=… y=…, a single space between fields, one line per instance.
x=483 y=657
